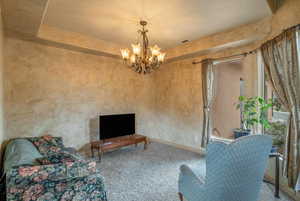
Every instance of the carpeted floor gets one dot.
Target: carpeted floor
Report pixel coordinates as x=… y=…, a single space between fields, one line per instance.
x=132 y=174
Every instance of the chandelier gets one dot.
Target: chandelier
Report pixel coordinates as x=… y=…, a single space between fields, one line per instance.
x=144 y=59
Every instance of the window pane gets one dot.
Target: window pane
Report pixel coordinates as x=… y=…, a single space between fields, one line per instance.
x=278 y=116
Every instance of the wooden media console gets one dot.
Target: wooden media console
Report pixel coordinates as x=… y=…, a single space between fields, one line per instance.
x=102 y=146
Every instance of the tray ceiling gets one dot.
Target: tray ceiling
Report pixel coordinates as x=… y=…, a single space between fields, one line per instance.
x=170 y=21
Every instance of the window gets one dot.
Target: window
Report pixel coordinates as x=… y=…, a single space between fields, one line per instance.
x=228 y=89
x=278 y=117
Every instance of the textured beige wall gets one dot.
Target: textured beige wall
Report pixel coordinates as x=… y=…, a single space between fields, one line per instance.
x=23 y=16
x=288 y=15
x=177 y=115
x=1 y=82
x=59 y=91
x=178 y=103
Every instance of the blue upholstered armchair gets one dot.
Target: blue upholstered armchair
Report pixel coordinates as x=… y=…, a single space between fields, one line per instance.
x=234 y=172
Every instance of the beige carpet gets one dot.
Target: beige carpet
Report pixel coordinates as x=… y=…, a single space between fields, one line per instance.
x=133 y=174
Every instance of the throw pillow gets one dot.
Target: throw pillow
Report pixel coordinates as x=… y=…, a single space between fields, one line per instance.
x=47 y=145
x=56 y=141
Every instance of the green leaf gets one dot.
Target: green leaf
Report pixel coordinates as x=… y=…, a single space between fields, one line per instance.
x=242 y=98
x=254 y=110
x=260 y=100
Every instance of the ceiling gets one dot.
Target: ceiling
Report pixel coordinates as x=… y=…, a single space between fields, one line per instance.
x=170 y=21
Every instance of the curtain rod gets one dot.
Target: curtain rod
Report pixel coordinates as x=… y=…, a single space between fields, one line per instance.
x=227 y=57
x=246 y=53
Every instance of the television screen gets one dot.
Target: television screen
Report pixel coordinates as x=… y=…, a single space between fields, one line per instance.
x=116 y=125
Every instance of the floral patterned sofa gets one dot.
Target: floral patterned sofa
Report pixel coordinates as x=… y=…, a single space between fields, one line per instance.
x=43 y=169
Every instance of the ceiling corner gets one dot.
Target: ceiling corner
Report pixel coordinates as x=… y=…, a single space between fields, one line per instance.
x=23 y=16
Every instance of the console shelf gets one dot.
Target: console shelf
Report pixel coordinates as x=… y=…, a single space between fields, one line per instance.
x=115 y=143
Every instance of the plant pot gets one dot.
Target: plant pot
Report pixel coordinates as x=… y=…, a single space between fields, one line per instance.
x=240 y=133
x=274 y=149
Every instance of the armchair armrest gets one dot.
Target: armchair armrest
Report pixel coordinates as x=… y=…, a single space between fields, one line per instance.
x=71 y=150
x=185 y=171
x=192 y=187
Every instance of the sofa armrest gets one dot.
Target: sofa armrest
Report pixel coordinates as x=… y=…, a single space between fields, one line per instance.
x=71 y=150
x=89 y=187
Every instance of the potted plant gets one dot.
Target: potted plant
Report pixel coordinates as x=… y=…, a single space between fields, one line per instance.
x=277 y=130
x=253 y=113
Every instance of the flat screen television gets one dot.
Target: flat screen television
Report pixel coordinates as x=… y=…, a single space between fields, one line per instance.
x=116 y=125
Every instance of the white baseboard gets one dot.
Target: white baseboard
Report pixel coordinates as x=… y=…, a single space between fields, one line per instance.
x=179 y=146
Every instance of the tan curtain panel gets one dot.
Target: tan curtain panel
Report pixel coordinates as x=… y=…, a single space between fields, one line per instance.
x=208 y=94
x=281 y=60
